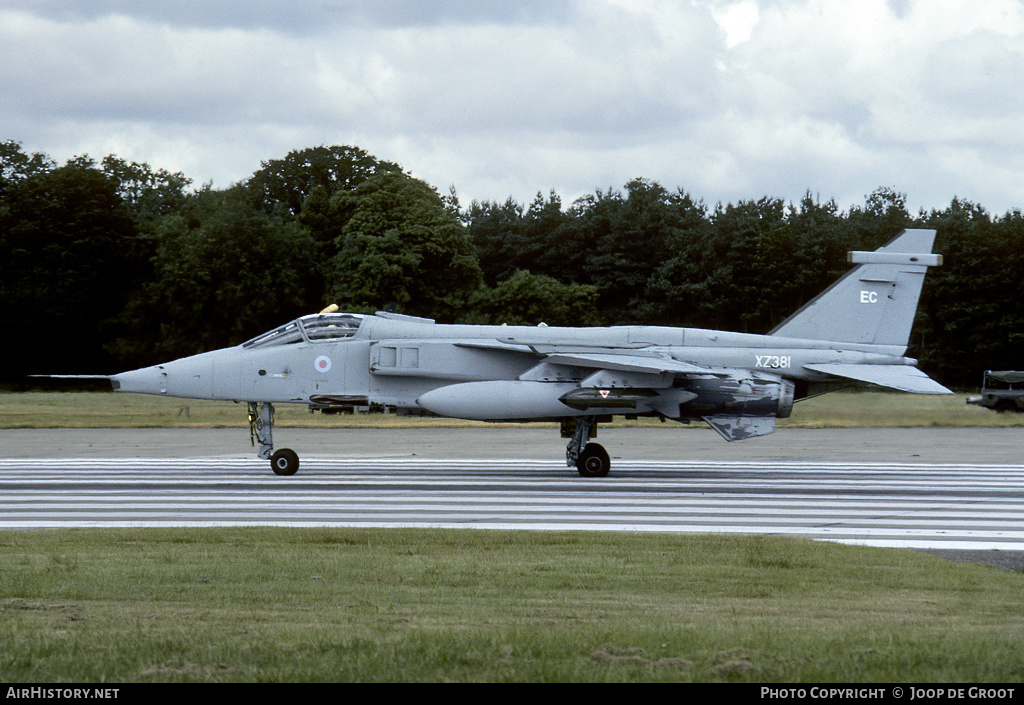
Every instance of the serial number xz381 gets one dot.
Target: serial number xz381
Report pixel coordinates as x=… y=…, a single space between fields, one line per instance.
x=773 y=362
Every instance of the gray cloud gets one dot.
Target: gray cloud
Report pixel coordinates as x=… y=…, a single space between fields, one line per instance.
x=729 y=99
x=299 y=16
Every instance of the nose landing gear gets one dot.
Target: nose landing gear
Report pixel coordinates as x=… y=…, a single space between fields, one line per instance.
x=261 y=428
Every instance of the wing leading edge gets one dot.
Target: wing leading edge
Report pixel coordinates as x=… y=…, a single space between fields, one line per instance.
x=627 y=363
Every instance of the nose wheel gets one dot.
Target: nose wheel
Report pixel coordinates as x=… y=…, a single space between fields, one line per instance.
x=285 y=462
x=261 y=429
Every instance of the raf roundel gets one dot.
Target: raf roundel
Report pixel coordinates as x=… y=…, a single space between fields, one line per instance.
x=322 y=364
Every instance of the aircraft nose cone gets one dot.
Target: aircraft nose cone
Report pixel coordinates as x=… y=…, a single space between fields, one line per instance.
x=189 y=377
x=148 y=380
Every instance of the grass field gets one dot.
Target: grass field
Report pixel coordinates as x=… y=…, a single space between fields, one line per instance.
x=303 y=605
x=268 y=604
x=111 y=410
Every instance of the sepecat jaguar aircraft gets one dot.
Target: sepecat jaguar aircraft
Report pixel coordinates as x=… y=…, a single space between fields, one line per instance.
x=855 y=332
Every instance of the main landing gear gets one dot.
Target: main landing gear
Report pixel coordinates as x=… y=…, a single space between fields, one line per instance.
x=261 y=428
x=590 y=459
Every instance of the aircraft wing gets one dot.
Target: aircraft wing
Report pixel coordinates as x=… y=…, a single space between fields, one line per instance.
x=495 y=345
x=901 y=377
x=627 y=363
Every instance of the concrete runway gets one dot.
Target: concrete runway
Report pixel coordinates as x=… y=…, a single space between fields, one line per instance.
x=959 y=492
x=671 y=442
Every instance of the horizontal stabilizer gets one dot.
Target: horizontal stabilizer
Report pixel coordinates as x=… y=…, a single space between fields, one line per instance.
x=738 y=428
x=902 y=377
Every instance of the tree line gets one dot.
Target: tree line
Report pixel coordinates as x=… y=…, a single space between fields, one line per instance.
x=113 y=264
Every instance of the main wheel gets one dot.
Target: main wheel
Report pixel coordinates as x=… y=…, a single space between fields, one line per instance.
x=593 y=461
x=284 y=462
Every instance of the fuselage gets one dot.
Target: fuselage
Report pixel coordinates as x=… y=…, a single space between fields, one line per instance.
x=395 y=361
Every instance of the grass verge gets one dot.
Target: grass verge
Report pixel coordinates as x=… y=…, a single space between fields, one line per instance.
x=302 y=605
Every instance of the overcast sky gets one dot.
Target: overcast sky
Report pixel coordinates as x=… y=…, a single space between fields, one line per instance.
x=727 y=99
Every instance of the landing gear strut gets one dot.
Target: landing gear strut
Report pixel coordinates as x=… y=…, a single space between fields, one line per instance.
x=590 y=459
x=261 y=428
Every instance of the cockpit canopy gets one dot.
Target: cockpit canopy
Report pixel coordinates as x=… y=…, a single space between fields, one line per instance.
x=314 y=328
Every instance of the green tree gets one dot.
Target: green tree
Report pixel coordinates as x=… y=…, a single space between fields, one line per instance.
x=17 y=166
x=222 y=275
x=735 y=282
x=398 y=243
x=148 y=194
x=285 y=184
x=796 y=259
x=540 y=245
x=531 y=299
x=669 y=232
x=71 y=258
x=541 y=239
x=496 y=230
x=883 y=216
x=970 y=318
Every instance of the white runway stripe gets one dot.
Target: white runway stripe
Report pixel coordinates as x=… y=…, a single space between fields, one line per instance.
x=885 y=504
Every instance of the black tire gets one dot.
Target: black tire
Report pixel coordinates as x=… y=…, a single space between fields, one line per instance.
x=593 y=461
x=284 y=462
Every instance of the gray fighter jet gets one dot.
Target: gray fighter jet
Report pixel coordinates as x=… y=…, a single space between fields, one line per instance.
x=855 y=332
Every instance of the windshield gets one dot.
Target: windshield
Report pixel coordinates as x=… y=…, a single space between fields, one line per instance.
x=316 y=327
x=331 y=326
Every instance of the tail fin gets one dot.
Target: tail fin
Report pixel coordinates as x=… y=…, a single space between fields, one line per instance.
x=874 y=303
